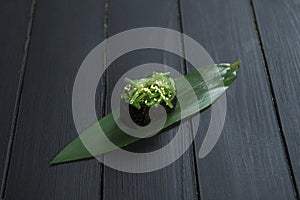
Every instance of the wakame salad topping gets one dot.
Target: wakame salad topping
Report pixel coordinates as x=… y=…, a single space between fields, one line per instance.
x=153 y=90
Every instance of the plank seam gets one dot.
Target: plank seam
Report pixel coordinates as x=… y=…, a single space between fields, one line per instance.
x=194 y=153
x=18 y=99
x=274 y=100
x=105 y=29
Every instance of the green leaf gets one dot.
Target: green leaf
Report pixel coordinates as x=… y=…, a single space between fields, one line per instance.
x=207 y=83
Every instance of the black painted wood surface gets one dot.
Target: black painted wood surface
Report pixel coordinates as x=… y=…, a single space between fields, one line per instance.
x=64 y=32
x=14 y=23
x=256 y=156
x=178 y=178
x=249 y=161
x=282 y=56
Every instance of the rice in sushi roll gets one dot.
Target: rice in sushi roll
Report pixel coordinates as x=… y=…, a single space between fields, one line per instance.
x=140 y=95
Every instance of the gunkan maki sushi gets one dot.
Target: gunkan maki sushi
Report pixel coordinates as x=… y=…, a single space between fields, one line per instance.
x=140 y=95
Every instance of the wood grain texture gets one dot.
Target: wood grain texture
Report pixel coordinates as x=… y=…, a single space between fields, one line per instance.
x=64 y=32
x=249 y=161
x=279 y=25
x=178 y=180
x=16 y=15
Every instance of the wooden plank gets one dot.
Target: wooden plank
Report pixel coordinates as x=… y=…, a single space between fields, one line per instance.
x=278 y=22
x=249 y=161
x=64 y=32
x=178 y=180
x=14 y=21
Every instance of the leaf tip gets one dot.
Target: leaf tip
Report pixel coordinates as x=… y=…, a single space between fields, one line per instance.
x=235 y=65
x=54 y=161
x=59 y=158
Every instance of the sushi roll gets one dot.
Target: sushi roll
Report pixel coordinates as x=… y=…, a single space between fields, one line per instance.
x=150 y=92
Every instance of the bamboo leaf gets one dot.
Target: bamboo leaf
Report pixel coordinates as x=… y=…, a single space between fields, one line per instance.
x=208 y=86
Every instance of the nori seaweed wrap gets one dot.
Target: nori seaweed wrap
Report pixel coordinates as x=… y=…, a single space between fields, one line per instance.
x=140 y=95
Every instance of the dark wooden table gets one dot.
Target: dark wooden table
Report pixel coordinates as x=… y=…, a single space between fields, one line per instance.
x=43 y=44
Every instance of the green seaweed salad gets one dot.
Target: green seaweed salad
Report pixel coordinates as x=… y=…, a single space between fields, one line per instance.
x=158 y=87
